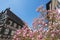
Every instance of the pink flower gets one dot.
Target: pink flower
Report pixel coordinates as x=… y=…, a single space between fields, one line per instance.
x=31 y=34
x=40 y=29
x=24 y=35
x=49 y=11
x=15 y=36
x=52 y=35
x=32 y=38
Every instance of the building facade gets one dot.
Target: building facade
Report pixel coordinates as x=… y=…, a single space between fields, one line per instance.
x=53 y=4
x=9 y=23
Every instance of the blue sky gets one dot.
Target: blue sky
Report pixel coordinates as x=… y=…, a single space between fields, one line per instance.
x=25 y=9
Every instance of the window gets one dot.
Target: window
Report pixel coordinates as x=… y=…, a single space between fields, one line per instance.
x=12 y=23
x=0 y=16
x=6 y=31
x=15 y=25
x=58 y=4
x=0 y=35
x=0 y=29
x=3 y=16
x=12 y=32
x=19 y=27
x=2 y=21
x=9 y=22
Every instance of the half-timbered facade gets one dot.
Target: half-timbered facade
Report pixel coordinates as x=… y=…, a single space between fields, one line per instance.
x=9 y=23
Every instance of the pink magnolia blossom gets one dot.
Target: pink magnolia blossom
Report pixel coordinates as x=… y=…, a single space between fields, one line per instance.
x=39 y=33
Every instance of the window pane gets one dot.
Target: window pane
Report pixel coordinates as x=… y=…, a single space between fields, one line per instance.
x=0 y=29
x=12 y=32
x=6 y=31
x=15 y=25
x=9 y=22
x=1 y=22
x=19 y=27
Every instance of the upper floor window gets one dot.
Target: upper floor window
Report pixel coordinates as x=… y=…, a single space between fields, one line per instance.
x=12 y=32
x=9 y=22
x=0 y=35
x=19 y=26
x=0 y=16
x=15 y=25
x=0 y=29
x=58 y=5
x=6 y=31
x=2 y=22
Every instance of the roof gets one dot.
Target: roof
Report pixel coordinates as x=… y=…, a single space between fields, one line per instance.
x=12 y=16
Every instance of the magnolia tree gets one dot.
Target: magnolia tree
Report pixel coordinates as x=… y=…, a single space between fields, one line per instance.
x=40 y=25
x=27 y=34
x=53 y=32
x=53 y=25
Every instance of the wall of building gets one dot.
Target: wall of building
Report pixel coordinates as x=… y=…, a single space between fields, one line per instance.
x=10 y=25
